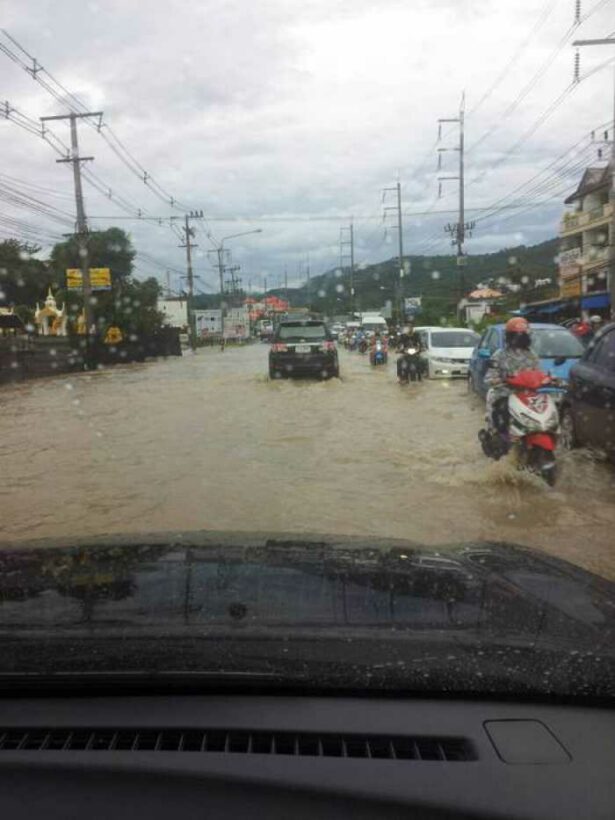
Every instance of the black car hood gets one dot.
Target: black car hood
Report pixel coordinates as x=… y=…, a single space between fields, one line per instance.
x=311 y=610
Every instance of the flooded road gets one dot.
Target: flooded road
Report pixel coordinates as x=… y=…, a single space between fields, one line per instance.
x=208 y=442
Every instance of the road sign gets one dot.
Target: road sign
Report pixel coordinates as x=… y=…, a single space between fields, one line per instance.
x=100 y=279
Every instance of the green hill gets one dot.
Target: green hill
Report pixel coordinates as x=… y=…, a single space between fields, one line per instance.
x=437 y=279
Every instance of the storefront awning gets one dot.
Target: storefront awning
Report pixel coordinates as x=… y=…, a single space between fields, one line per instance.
x=596 y=300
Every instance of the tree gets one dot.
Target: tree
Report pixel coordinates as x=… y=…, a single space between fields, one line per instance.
x=131 y=304
x=24 y=279
x=106 y=249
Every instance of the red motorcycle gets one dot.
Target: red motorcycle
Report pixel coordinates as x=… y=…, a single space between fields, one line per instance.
x=527 y=422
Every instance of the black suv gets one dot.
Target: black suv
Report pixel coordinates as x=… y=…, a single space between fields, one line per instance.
x=303 y=347
x=588 y=414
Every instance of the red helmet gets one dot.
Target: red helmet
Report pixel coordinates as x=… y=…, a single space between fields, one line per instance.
x=517 y=325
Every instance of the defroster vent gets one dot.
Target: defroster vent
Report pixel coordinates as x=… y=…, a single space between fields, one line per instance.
x=233 y=741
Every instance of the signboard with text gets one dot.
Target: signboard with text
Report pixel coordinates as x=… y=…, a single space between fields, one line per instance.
x=412 y=305
x=570 y=288
x=100 y=279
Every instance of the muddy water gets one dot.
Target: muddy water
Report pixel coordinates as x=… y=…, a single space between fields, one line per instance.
x=208 y=441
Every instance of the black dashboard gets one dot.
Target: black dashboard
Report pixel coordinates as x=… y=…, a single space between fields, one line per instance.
x=215 y=756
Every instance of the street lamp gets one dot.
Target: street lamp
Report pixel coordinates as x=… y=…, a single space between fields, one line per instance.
x=219 y=246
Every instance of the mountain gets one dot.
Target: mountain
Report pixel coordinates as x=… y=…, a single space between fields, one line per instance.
x=437 y=279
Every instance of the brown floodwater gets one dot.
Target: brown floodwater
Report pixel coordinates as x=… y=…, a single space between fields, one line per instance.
x=208 y=442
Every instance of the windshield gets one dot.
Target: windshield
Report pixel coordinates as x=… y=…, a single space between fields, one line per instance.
x=301 y=331
x=207 y=212
x=454 y=338
x=553 y=344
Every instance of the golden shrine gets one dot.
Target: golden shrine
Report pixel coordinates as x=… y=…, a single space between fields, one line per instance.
x=51 y=320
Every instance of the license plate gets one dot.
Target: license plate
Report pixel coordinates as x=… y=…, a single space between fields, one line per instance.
x=303 y=349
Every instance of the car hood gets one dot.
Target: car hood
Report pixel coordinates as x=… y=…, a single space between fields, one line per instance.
x=323 y=610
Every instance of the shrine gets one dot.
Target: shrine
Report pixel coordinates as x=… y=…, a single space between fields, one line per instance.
x=51 y=320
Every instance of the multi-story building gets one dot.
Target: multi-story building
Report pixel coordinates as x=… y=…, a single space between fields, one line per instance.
x=584 y=247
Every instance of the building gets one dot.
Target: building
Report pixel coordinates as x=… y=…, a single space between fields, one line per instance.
x=478 y=304
x=10 y=323
x=584 y=277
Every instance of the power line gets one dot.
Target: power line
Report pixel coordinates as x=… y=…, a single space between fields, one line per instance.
x=75 y=104
x=540 y=21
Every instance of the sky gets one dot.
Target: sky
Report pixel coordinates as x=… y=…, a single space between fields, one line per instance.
x=292 y=116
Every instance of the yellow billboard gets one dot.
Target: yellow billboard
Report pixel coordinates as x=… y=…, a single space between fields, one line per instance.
x=570 y=288
x=100 y=279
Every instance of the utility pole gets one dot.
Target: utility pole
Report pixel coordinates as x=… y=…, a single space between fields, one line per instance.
x=460 y=229
x=399 y=284
x=189 y=233
x=82 y=225
x=350 y=254
x=286 y=285
x=219 y=251
x=168 y=284
x=606 y=41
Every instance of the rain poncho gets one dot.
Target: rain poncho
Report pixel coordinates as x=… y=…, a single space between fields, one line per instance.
x=506 y=363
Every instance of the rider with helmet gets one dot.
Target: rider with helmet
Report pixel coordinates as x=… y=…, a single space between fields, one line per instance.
x=514 y=357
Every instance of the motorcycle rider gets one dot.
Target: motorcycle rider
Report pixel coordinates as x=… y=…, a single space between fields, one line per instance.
x=515 y=356
x=407 y=338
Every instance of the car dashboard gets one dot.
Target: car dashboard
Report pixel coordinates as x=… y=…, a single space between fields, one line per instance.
x=216 y=756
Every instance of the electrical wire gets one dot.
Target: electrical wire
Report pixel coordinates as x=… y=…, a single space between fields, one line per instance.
x=76 y=105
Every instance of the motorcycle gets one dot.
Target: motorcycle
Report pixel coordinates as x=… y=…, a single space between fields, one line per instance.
x=378 y=354
x=363 y=346
x=409 y=366
x=528 y=426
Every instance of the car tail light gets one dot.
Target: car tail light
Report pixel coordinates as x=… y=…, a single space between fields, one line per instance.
x=279 y=348
x=328 y=346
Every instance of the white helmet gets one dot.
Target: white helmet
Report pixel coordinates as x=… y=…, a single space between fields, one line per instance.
x=595 y=320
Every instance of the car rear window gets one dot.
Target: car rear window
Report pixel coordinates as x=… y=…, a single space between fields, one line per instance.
x=552 y=344
x=299 y=330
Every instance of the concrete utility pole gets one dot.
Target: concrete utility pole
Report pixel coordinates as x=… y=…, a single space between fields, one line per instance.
x=350 y=254
x=606 y=41
x=219 y=251
x=188 y=245
x=400 y=237
x=461 y=228
x=82 y=226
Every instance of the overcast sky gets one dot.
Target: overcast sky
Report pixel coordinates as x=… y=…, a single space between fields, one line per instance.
x=293 y=115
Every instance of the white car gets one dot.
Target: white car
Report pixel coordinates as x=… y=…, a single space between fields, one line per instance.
x=447 y=350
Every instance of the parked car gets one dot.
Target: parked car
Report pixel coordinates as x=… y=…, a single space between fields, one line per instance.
x=556 y=347
x=588 y=412
x=302 y=348
x=446 y=350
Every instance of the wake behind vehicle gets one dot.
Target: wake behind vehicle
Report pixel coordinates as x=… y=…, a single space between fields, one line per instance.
x=528 y=423
x=302 y=348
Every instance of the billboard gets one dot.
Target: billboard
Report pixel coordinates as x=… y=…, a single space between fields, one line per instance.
x=412 y=305
x=571 y=288
x=207 y=322
x=100 y=279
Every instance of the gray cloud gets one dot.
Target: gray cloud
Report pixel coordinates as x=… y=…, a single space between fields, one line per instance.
x=301 y=108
